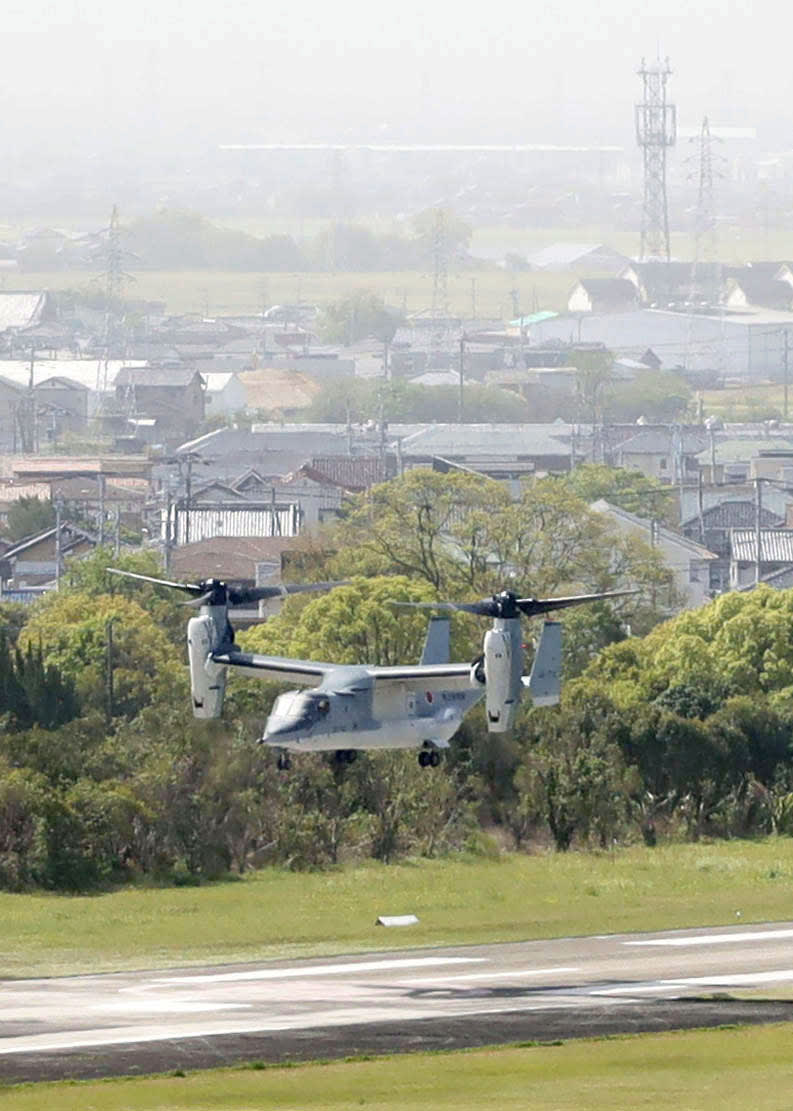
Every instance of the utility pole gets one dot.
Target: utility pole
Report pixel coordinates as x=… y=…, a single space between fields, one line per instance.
x=656 y=132
x=58 y=515
x=101 y=510
x=785 y=366
x=109 y=668
x=757 y=528
x=461 y=400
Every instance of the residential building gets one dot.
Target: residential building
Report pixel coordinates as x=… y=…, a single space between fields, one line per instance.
x=688 y=561
x=176 y=396
x=776 y=554
x=713 y=528
x=602 y=295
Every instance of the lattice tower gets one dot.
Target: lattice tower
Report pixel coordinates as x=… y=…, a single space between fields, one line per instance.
x=656 y=132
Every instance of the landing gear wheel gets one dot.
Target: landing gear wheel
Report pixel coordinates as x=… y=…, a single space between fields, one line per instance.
x=346 y=755
x=284 y=763
x=425 y=759
x=435 y=758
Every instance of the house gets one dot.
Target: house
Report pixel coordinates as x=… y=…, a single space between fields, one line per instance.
x=602 y=295
x=750 y=289
x=576 y=256
x=231 y=558
x=662 y=284
x=64 y=405
x=657 y=453
x=33 y=560
x=505 y=451
x=776 y=554
x=714 y=526
x=225 y=393
x=176 y=396
x=12 y=403
x=688 y=561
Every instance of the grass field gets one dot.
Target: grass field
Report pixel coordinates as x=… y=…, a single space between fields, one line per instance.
x=460 y=900
x=223 y=292
x=694 y=1071
x=750 y=402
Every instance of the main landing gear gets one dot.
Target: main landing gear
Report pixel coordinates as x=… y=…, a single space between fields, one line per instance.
x=429 y=758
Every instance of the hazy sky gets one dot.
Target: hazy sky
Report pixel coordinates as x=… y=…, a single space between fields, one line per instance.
x=84 y=74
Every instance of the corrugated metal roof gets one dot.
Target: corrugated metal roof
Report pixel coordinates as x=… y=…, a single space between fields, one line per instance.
x=85 y=372
x=207 y=523
x=776 y=545
x=20 y=310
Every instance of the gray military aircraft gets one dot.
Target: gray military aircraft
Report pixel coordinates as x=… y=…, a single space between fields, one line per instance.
x=350 y=708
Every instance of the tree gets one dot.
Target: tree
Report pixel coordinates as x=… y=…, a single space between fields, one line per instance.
x=360 y=400
x=28 y=516
x=629 y=490
x=72 y=629
x=353 y=624
x=32 y=691
x=360 y=316
x=660 y=396
x=426 y=525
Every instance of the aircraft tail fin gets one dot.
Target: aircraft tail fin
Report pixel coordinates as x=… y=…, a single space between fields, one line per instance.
x=545 y=681
x=436 y=642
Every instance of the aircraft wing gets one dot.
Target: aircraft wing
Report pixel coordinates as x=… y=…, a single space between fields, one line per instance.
x=303 y=672
x=450 y=675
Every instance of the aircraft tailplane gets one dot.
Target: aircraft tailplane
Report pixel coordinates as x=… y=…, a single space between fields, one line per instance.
x=545 y=681
x=436 y=642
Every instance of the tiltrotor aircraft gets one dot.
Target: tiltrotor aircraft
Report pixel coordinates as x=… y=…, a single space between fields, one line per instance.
x=350 y=708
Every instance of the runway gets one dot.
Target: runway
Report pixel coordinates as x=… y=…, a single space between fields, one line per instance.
x=143 y=1021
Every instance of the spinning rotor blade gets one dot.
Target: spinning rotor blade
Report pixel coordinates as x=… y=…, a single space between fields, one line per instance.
x=533 y=607
x=507 y=605
x=485 y=608
x=191 y=588
x=240 y=595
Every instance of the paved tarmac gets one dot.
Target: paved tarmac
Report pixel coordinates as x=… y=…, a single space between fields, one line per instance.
x=475 y=995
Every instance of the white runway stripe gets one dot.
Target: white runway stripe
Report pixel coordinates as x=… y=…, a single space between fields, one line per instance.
x=740 y=979
x=714 y=939
x=320 y=970
x=518 y=972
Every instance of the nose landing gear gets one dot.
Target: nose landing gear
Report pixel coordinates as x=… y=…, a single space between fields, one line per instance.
x=284 y=762
x=429 y=758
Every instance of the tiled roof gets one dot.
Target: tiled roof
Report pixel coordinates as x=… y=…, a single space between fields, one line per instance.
x=228 y=557
x=736 y=514
x=351 y=472
x=776 y=545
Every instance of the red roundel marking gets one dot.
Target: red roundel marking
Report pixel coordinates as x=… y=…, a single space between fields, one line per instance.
x=429 y=696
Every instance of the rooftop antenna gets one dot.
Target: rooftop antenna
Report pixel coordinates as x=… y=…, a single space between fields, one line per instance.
x=656 y=132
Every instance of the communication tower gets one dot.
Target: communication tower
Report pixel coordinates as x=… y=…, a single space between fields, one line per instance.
x=656 y=132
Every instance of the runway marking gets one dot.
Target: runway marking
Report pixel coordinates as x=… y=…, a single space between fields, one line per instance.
x=488 y=975
x=714 y=939
x=320 y=970
x=739 y=979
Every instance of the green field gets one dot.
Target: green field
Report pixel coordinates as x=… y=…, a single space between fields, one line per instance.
x=750 y=402
x=225 y=292
x=695 y=1071
x=460 y=900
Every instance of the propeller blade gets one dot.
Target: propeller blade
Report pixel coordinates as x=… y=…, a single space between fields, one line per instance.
x=238 y=596
x=485 y=608
x=191 y=588
x=204 y=599
x=533 y=607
